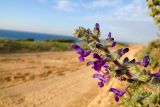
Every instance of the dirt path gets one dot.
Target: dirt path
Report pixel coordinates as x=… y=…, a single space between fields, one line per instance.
x=50 y=79
x=52 y=92
x=45 y=80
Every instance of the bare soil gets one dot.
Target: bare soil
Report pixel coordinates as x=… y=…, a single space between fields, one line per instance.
x=52 y=79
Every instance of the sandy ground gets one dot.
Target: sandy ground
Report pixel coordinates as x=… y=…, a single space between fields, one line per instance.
x=51 y=79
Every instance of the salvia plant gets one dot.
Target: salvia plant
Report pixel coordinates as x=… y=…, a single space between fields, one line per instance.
x=141 y=87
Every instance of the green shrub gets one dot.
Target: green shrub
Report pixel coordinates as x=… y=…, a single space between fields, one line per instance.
x=153 y=50
x=7 y=45
x=154 y=6
x=61 y=40
x=27 y=39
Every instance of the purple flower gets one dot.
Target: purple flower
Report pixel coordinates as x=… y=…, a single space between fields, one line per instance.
x=103 y=78
x=113 y=44
x=125 y=60
x=81 y=52
x=101 y=84
x=111 y=40
x=145 y=61
x=156 y=74
x=122 y=51
x=109 y=35
x=97 y=26
x=117 y=93
x=98 y=63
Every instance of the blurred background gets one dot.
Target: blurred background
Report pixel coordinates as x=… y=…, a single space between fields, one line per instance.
x=126 y=19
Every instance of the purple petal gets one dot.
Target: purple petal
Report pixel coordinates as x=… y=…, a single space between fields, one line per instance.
x=109 y=35
x=103 y=61
x=97 y=25
x=145 y=61
x=106 y=66
x=101 y=84
x=99 y=76
x=125 y=60
x=156 y=74
x=145 y=64
x=97 y=66
x=95 y=55
x=106 y=79
x=90 y=63
x=125 y=50
x=115 y=91
x=75 y=47
x=80 y=51
x=142 y=63
x=113 y=44
x=99 y=62
x=122 y=93
x=120 y=52
x=81 y=59
x=116 y=98
x=87 y=53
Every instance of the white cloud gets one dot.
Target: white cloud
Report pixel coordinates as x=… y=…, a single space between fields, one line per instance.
x=65 y=5
x=128 y=21
x=100 y=3
x=133 y=11
x=136 y=10
x=71 y=5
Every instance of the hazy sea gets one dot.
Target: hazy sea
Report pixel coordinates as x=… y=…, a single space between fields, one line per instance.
x=37 y=36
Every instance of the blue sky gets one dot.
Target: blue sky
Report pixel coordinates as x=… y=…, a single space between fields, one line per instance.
x=128 y=20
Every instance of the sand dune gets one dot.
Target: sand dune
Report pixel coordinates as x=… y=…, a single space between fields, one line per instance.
x=50 y=79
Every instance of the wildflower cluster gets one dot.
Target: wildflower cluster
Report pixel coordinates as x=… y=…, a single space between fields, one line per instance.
x=107 y=65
